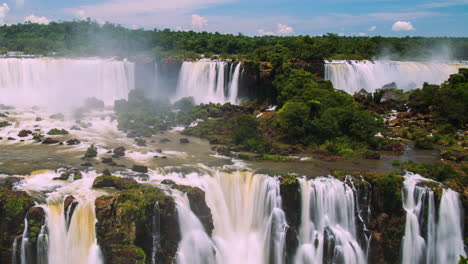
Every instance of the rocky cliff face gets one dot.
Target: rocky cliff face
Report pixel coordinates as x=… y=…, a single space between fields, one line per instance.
x=13 y=209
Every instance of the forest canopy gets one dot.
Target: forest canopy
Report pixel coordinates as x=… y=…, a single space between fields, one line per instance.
x=89 y=38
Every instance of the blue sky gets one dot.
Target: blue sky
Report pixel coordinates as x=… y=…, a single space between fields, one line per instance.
x=258 y=17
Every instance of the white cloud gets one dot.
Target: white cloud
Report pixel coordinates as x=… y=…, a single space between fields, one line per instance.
x=402 y=26
x=362 y=34
x=4 y=9
x=282 y=30
x=372 y=28
x=199 y=21
x=80 y=14
x=445 y=4
x=285 y=30
x=36 y=19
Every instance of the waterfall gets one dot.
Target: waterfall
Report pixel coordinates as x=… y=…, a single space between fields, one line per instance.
x=156 y=232
x=328 y=227
x=209 y=81
x=249 y=223
x=63 y=240
x=25 y=254
x=352 y=76
x=62 y=83
x=442 y=242
x=195 y=246
x=42 y=245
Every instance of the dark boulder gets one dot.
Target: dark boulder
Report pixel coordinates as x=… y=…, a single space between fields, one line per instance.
x=140 y=168
x=164 y=140
x=50 y=141
x=184 y=141
x=24 y=133
x=198 y=205
x=73 y=142
x=107 y=181
x=119 y=152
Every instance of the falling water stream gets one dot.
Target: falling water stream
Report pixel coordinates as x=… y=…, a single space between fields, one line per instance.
x=209 y=81
x=442 y=242
x=352 y=76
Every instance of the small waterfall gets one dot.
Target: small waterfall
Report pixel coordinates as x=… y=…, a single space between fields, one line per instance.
x=62 y=83
x=442 y=242
x=25 y=254
x=328 y=227
x=352 y=76
x=249 y=223
x=58 y=243
x=209 y=81
x=42 y=245
x=156 y=232
x=14 y=251
x=195 y=246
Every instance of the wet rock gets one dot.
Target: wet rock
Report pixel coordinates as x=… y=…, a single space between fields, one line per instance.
x=10 y=138
x=184 y=141
x=214 y=141
x=109 y=161
x=140 y=168
x=119 y=152
x=9 y=182
x=108 y=181
x=198 y=205
x=11 y=220
x=163 y=157
x=373 y=155
x=168 y=182
x=164 y=140
x=24 y=133
x=75 y=128
x=69 y=206
x=140 y=142
x=91 y=152
x=126 y=237
x=87 y=164
x=73 y=142
x=38 y=119
x=50 y=141
x=159 y=150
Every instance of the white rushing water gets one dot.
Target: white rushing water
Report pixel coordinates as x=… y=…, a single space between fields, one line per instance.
x=328 y=226
x=352 y=76
x=249 y=224
x=209 y=81
x=62 y=82
x=442 y=242
x=67 y=239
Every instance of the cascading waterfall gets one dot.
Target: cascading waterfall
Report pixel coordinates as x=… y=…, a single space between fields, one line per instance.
x=195 y=246
x=352 y=76
x=156 y=232
x=63 y=239
x=62 y=83
x=209 y=81
x=442 y=242
x=328 y=227
x=249 y=223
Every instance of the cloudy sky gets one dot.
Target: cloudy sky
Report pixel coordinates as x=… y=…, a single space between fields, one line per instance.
x=257 y=17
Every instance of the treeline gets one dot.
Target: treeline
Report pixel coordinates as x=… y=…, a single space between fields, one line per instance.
x=88 y=38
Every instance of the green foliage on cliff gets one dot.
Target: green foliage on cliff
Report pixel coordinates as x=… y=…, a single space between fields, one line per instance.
x=449 y=101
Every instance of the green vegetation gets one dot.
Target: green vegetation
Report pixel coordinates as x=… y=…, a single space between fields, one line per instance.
x=55 y=131
x=91 y=152
x=448 y=102
x=90 y=38
x=4 y=124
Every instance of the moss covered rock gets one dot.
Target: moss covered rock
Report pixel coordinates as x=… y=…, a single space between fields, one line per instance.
x=108 y=181
x=124 y=227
